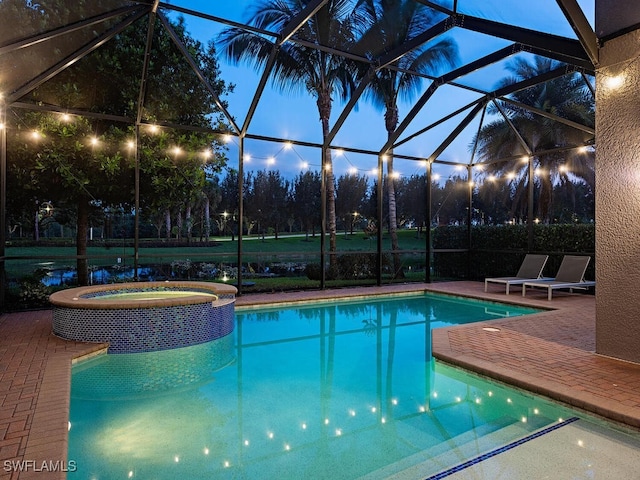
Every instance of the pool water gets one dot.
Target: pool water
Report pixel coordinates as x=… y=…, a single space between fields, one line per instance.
x=340 y=390
x=150 y=295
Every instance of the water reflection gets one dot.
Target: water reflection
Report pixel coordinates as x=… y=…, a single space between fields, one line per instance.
x=149 y=374
x=98 y=276
x=339 y=390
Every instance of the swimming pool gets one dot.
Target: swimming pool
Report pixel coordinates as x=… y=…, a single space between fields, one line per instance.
x=328 y=390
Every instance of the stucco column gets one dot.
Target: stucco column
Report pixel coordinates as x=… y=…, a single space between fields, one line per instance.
x=618 y=198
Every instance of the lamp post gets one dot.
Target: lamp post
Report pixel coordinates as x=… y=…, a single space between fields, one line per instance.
x=223 y=223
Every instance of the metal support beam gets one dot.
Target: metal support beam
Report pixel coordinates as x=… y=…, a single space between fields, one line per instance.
x=544 y=41
x=355 y=96
x=436 y=7
x=477 y=138
x=323 y=217
x=240 y=210
x=530 y=82
x=482 y=100
x=71 y=59
x=428 y=240
x=142 y=93
x=530 y=237
x=414 y=43
x=513 y=128
x=446 y=78
x=379 y=204
x=220 y=20
x=3 y=199
x=300 y=19
x=575 y=16
x=196 y=69
x=550 y=116
x=463 y=124
x=583 y=65
x=296 y=22
x=417 y=106
x=469 y=216
x=589 y=85
x=67 y=29
x=136 y=202
x=271 y=61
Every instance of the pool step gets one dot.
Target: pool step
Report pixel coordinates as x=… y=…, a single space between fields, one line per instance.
x=458 y=449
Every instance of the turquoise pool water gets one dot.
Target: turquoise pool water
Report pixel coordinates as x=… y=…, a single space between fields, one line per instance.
x=335 y=390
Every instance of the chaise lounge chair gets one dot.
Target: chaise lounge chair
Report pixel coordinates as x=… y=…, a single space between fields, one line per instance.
x=570 y=275
x=531 y=269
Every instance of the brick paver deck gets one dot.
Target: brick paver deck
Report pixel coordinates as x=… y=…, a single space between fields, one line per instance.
x=550 y=353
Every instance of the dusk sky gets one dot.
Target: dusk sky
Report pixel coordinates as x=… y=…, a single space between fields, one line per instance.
x=294 y=115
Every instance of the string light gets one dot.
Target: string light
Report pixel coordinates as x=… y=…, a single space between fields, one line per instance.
x=614 y=82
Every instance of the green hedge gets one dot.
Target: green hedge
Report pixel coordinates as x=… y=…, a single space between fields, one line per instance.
x=499 y=250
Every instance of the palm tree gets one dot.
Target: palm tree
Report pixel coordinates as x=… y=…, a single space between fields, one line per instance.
x=567 y=97
x=389 y=25
x=297 y=66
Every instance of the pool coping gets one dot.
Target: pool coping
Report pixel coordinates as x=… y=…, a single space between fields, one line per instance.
x=77 y=297
x=44 y=434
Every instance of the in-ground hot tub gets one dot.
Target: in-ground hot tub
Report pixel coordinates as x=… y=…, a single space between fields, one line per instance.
x=145 y=316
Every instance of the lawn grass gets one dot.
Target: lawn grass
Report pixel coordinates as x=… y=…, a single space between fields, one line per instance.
x=21 y=261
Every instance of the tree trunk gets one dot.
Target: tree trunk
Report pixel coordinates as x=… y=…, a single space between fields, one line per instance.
x=391 y=121
x=167 y=221
x=545 y=196
x=36 y=225
x=324 y=108
x=82 y=264
x=179 y=224
x=188 y=222
x=207 y=218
